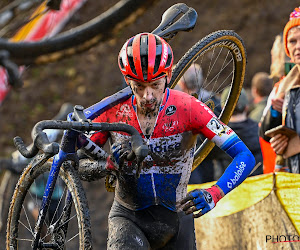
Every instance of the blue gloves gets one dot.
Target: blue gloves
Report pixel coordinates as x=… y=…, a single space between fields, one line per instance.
x=201 y=199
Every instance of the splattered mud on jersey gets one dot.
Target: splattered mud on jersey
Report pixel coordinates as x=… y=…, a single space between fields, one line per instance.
x=166 y=170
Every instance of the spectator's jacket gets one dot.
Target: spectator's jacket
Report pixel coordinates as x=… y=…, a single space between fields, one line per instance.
x=292 y=120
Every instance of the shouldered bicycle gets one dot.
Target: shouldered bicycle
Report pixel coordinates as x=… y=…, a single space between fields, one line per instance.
x=223 y=58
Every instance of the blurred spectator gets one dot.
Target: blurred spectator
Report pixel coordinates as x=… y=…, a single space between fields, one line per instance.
x=261 y=87
x=285 y=104
x=278 y=59
x=191 y=83
x=278 y=69
x=245 y=128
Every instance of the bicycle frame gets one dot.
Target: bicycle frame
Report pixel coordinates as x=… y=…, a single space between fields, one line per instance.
x=67 y=152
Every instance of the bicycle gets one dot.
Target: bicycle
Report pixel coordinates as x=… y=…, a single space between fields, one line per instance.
x=67 y=43
x=227 y=45
x=11 y=168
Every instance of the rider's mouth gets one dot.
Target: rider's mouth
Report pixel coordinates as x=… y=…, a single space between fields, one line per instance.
x=149 y=105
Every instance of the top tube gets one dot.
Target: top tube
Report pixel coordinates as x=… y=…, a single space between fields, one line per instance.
x=97 y=109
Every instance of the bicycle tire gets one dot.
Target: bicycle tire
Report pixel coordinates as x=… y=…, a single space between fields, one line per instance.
x=73 y=184
x=77 y=39
x=8 y=182
x=233 y=44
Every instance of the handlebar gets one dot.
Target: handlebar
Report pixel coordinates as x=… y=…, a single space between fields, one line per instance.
x=41 y=141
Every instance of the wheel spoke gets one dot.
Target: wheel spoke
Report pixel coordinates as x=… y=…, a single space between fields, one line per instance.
x=73 y=237
x=27 y=219
x=26 y=227
x=57 y=207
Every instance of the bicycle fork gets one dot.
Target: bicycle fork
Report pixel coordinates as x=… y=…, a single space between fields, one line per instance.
x=52 y=178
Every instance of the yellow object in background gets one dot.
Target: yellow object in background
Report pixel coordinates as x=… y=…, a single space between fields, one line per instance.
x=254 y=189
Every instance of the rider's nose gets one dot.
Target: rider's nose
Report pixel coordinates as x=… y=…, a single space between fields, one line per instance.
x=148 y=94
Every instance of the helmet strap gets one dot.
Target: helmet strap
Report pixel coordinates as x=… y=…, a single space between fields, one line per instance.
x=166 y=83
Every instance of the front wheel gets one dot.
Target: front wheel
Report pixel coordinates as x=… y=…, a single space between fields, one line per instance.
x=65 y=226
x=218 y=62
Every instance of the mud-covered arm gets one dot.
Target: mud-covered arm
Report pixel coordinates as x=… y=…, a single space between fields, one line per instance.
x=91 y=170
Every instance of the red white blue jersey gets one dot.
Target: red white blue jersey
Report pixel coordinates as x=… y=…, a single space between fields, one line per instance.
x=166 y=170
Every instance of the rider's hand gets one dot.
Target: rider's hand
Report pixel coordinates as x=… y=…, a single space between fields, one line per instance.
x=119 y=152
x=201 y=199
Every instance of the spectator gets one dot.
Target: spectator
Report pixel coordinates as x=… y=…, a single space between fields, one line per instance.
x=191 y=83
x=245 y=128
x=277 y=71
x=278 y=59
x=261 y=86
x=285 y=106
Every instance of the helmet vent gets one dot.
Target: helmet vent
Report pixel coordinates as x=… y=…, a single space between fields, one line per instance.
x=121 y=64
x=144 y=61
x=156 y=65
x=131 y=63
x=168 y=63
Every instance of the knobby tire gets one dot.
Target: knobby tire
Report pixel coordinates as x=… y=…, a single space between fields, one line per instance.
x=71 y=180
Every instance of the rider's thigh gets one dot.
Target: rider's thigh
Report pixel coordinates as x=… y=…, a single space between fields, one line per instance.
x=186 y=235
x=124 y=234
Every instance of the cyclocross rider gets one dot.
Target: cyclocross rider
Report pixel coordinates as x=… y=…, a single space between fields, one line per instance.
x=148 y=211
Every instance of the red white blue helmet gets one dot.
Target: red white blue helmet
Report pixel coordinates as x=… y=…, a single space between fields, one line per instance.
x=146 y=57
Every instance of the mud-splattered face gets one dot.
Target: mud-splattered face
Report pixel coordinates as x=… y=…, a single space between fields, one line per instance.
x=148 y=95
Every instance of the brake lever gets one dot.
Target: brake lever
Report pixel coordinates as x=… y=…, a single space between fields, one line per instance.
x=140 y=151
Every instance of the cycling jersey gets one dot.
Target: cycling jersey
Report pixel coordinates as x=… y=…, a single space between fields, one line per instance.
x=166 y=170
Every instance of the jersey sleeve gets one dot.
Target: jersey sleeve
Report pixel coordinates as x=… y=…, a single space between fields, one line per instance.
x=225 y=138
x=202 y=119
x=98 y=137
